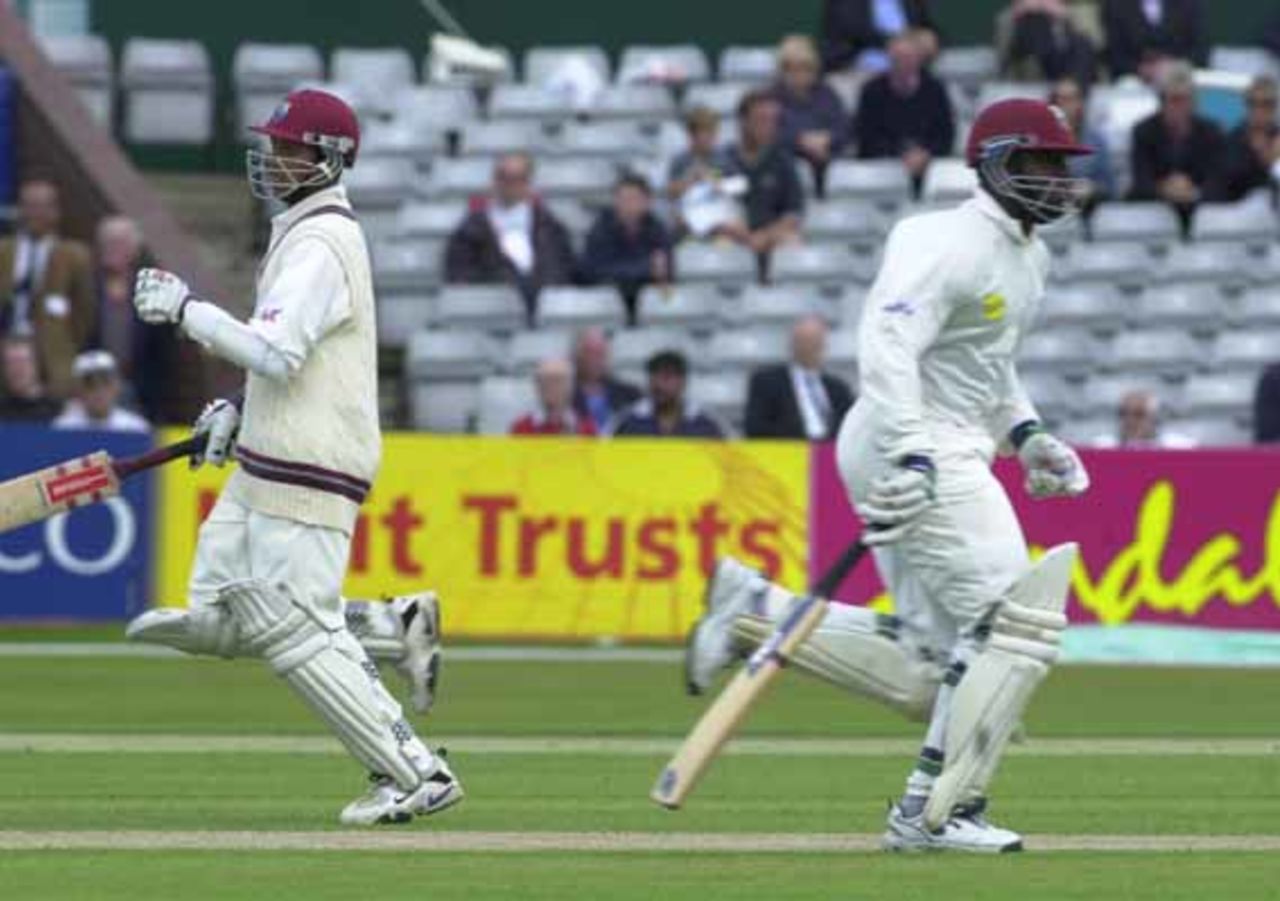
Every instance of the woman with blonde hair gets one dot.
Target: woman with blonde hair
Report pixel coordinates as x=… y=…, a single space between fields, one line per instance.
x=814 y=124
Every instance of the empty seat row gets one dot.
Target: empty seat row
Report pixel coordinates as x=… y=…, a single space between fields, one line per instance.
x=1168 y=352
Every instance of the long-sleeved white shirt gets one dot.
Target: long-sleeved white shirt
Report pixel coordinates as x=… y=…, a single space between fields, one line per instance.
x=956 y=293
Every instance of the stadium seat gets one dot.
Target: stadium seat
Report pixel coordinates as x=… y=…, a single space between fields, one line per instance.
x=542 y=63
x=528 y=101
x=456 y=178
x=85 y=61
x=633 y=347
x=674 y=64
x=399 y=140
x=612 y=140
x=721 y=395
x=573 y=308
x=724 y=264
x=1062 y=351
x=722 y=97
x=1247 y=351
x=490 y=308
x=842 y=353
x=436 y=107
x=169 y=92
x=1217 y=395
x=452 y=354
x=1150 y=223
x=1195 y=308
x=826 y=264
x=444 y=406
x=1053 y=398
x=1096 y=432
x=572 y=215
x=642 y=102
x=429 y=220
x=407 y=266
x=779 y=306
x=1258 y=308
x=750 y=64
x=882 y=180
x=526 y=349
x=967 y=67
x=378 y=73
x=696 y=308
x=501 y=401
x=505 y=136
x=851 y=221
x=1213 y=432
x=1219 y=264
x=745 y=348
x=580 y=178
x=849 y=304
x=1098 y=308
x=948 y=180
x=401 y=315
x=1243 y=60
x=264 y=73
x=1128 y=265
x=1168 y=352
x=1249 y=222
x=994 y=91
x=1101 y=394
x=380 y=182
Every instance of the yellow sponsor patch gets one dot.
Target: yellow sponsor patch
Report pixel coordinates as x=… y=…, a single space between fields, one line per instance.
x=993 y=307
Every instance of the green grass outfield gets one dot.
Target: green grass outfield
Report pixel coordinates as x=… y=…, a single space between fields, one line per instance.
x=115 y=772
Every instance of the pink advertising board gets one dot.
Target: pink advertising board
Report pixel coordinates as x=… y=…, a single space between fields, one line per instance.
x=1170 y=537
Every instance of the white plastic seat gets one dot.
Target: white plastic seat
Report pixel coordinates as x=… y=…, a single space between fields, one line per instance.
x=852 y=221
x=572 y=214
x=401 y=315
x=1248 y=351
x=613 y=140
x=674 y=64
x=490 y=308
x=378 y=73
x=399 y=140
x=1053 y=398
x=439 y=107
x=85 y=61
x=849 y=304
x=573 y=308
x=642 y=102
x=493 y=139
x=1248 y=222
x=870 y=179
x=1098 y=308
x=444 y=406
x=527 y=349
x=581 y=178
x=720 y=97
x=1168 y=352
x=722 y=264
x=1060 y=351
x=1258 y=308
x=542 y=63
x=406 y=266
x=948 y=180
x=967 y=67
x=1101 y=394
x=1221 y=264
x=501 y=401
x=169 y=92
x=842 y=353
x=745 y=348
x=380 y=182
x=830 y=264
x=1091 y=432
x=1196 y=308
x=722 y=395
x=1151 y=223
x=450 y=354
x=457 y=178
x=692 y=307
x=1213 y=432
x=754 y=64
x=994 y=91
x=632 y=348
x=779 y=306
x=528 y=101
x=1243 y=60
x=1126 y=264
x=436 y=220
x=1216 y=395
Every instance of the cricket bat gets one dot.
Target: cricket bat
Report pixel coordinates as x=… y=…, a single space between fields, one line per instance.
x=79 y=482
x=730 y=708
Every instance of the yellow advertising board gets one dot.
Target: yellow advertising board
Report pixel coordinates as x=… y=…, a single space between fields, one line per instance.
x=550 y=538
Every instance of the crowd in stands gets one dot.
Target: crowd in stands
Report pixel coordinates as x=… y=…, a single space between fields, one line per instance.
x=74 y=353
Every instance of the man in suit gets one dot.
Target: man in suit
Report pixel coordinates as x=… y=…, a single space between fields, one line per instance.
x=797 y=399
x=597 y=395
x=856 y=33
x=46 y=287
x=1142 y=34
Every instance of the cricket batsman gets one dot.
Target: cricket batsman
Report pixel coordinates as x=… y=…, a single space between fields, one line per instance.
x=978 y=623
x=271 y=556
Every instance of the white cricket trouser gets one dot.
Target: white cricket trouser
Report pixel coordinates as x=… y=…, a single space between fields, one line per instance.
x=237 y=543
x=962 y=554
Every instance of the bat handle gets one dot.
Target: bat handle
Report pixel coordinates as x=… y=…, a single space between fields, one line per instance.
x=161 y=455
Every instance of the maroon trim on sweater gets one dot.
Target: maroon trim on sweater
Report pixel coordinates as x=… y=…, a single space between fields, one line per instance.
x=305 y=475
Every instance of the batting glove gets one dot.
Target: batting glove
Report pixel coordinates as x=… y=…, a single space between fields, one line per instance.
x=220 y=420
x=1052 y=468
x=897 y=499
x=160 y=296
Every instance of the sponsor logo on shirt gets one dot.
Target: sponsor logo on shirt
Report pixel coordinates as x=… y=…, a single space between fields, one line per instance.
x=993 y=307
x=901 y=307
x=270 y=315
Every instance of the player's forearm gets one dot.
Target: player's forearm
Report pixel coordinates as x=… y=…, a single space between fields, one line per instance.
x=234 y=341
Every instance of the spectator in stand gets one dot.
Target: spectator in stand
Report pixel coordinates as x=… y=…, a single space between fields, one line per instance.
x=774 y=199
x=665 y=413
x=1143 y=35
x=1038 y=40
x=1175 y=152
x=46 y=286
x=553 y=380
x=905 y=112
x=628 y=246
x=705 y=160
x=815 y=124
x=1266 y=407
x=1253 y=147
x=1138 y=426
x=856 y=33
x=597 y=395
x=145 y=354
x=510 y=236
x=97 y=401
x=1068 y=96
x=23 y=398
x=797 y=399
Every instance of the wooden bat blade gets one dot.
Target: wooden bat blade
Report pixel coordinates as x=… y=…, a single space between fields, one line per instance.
x=39 y=495
x=730 y=708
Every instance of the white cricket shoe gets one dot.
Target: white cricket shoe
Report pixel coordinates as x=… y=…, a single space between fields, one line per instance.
x=967 y=829
x=731 y=592
x=386 y=803
x=420 y=665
